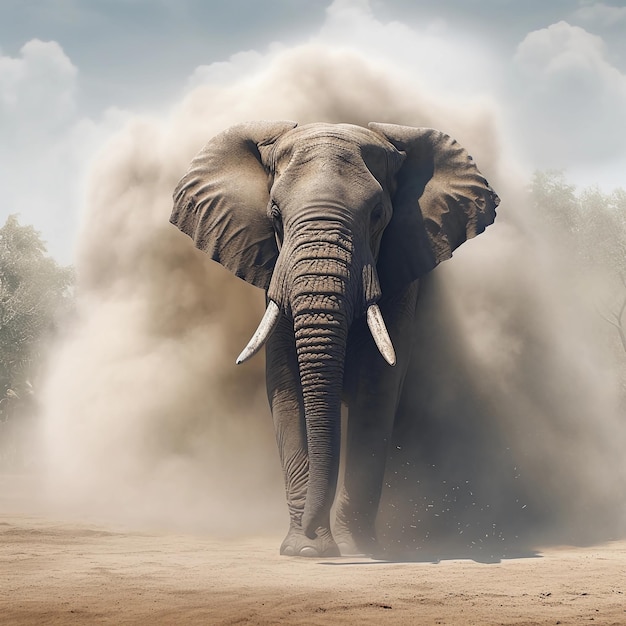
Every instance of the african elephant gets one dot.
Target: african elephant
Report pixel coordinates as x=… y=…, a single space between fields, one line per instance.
x=336 y=223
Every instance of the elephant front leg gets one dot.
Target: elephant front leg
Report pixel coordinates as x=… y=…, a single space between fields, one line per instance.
x=285 y=398
x=359 y=497
x=373 y=390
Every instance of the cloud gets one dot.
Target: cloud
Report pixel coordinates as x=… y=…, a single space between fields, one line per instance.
x=600 y=14
x=445 y=58
x=241 y=64
x=435 y=53
x=39 y=86
x=37 y=109
x=572 y=100
x=46 y=145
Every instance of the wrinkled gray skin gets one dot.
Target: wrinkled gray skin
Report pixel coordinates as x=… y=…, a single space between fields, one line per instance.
x=330 y=219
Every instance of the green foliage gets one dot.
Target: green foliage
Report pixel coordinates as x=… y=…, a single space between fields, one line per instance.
x=35 y=292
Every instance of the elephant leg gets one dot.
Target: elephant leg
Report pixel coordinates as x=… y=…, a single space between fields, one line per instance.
x=285 y=398
x=373 y=392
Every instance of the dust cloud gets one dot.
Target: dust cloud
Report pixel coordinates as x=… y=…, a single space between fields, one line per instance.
x=511 y=427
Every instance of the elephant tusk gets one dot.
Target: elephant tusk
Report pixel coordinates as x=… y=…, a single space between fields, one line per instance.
x=265 y=329
x=379 y=332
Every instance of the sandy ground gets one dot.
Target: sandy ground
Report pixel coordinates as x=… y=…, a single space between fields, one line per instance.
x=56 y=571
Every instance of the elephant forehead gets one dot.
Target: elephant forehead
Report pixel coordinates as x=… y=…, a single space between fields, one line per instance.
x=349 y=132
x=343 y=136
x=333 y=145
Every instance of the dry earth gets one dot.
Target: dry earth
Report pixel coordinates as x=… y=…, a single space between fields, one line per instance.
x=55 y=571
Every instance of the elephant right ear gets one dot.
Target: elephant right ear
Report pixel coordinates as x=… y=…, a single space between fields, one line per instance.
x=221 y=202
x=441 y=200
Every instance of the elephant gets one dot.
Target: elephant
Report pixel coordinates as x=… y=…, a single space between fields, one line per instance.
x=337 y=223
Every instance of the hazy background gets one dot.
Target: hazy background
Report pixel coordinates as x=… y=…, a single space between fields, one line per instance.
x=72 y=72
x=514 y=431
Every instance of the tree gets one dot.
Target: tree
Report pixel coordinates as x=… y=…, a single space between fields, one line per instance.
x=593 y=222
x=554 y=201
x=35 y=292
x=591 y=225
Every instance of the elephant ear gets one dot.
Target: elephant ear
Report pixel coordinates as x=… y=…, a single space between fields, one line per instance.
x=440 y=201
x=221 y=202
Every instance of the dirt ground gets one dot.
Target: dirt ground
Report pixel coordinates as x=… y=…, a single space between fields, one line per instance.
x=57 y=571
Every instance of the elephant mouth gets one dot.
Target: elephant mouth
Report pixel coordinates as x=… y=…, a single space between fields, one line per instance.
x=270 y=320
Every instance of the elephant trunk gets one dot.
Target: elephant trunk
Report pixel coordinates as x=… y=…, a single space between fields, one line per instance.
x=322 y=283
x=321 y=304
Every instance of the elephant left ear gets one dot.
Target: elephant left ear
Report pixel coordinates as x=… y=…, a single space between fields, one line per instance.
x=441 y=200
x=221 y=202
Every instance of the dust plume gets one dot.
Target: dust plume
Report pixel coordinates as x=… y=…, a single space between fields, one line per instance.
x=512 y=409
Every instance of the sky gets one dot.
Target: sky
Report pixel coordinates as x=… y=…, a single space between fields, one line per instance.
x=74 y=72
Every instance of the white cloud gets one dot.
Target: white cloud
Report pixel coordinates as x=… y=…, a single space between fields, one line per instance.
x=46 y=145
x=433 y=56
x=558 y=47
x=238 y=65
x=443 y=59
x=37 y=90
x=600 y=14
x=572 y=100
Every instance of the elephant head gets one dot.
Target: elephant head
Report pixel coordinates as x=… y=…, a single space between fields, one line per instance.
x=328 y=219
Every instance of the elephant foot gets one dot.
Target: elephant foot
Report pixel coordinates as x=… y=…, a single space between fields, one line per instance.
x=354 y=536
x=296 y=543
x=350 y=545
x=355 y=541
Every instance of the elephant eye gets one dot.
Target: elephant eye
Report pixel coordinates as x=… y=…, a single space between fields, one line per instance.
x=377 y=215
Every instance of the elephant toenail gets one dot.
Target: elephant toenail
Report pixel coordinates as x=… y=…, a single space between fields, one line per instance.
x=309 y=551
